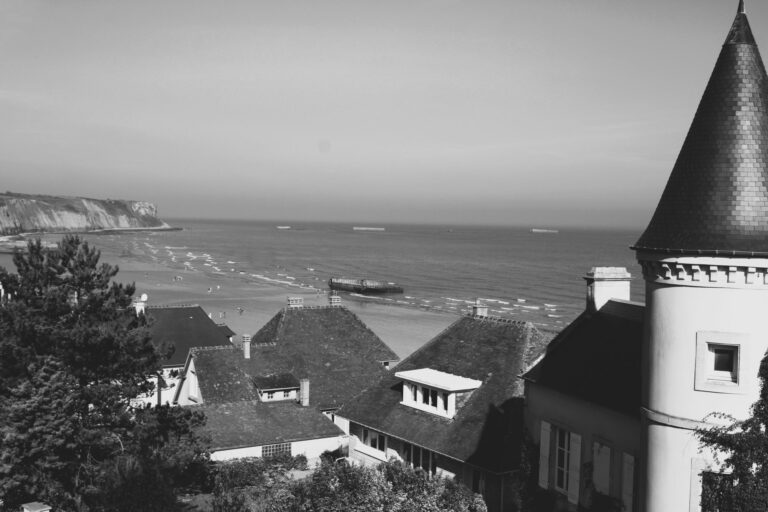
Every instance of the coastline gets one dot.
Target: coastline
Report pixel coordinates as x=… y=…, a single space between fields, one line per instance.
x=246 y=304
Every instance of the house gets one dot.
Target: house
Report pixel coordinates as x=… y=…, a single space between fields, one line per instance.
x=583 y=398
x=454 y=407
x=182 y=328
x=704 y=260
x=266 y=382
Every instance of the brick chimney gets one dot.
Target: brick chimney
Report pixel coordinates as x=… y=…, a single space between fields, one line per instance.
x=334 y=299
x=304 y=392
x=246 y=346
x=295 y=302
x=606 y=283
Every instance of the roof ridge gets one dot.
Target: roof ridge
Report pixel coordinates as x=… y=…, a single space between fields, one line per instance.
x=194 y=350
x=498 y=319
x=172 y=306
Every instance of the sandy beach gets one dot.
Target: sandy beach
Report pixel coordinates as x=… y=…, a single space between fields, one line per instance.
x=246 y=305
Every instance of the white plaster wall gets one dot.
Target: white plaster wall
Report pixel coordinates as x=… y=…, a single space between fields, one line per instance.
x=674 y=314
x=311 y=449
x=237 y=453
x=190 y=382
x=621 y=432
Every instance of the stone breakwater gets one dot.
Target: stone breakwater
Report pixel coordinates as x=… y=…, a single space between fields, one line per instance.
x=21 y=213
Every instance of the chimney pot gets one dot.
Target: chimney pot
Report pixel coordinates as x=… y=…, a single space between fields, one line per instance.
x=139 y=304
x=246 y=346
x=304 y=392
x=479 y=309
x=606 y=283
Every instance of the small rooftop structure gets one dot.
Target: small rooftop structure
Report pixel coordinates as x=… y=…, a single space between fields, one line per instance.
x=276 y=381
x=440 y=380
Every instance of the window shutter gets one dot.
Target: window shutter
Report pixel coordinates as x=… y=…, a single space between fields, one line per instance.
x=574 y=465
x=601 y=462
x=544 y=455
x=627 y=480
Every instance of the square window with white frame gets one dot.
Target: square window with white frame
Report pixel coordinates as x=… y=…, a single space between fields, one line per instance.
x=718 y=358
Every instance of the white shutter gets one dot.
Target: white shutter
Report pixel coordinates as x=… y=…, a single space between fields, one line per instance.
x=601 y=463
x=627 y=480
x=544 y=455
x=574 y=465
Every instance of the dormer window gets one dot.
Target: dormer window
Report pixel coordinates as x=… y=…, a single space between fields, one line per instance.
x=277 y=387
x=434 y=391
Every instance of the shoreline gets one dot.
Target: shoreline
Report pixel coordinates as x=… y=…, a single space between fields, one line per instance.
x=245 y=303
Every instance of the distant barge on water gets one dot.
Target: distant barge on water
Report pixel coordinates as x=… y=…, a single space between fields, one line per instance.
x=363 y=285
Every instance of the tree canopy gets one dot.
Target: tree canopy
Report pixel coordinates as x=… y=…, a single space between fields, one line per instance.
x=73 y=353
x=263 y=486
x=742 y=484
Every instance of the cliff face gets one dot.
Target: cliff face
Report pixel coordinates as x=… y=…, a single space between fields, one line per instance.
x=21 y=213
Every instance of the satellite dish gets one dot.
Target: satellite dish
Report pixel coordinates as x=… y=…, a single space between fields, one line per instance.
x=144 y=297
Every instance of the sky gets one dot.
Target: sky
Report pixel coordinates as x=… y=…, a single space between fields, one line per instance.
x=541 y=113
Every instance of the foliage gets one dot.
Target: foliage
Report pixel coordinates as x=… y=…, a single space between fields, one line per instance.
x=339 y=486
x=72 y=356
x=745 y=445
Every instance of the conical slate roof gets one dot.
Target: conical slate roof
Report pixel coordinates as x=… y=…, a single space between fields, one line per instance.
x=716 y=199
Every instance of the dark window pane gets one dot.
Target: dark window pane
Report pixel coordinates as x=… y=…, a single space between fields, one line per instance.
x=433 y=395
x=445 y=401
x=425 y=395
x=724 y=359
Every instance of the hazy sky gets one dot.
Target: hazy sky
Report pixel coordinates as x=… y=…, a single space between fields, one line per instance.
x=523 y=112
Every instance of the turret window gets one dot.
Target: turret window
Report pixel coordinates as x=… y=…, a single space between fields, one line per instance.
x=718 y=357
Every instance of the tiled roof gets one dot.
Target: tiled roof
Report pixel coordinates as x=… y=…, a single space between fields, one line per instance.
x=276 y=381
x=597 y=358
x=329 y=346
x=716 y=199
x=184 y=327
x=243 y=424
x=487 y=428
x=331 y=330
x=226 y=330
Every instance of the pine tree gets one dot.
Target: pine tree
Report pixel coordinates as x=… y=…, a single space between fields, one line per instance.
x=73 y=354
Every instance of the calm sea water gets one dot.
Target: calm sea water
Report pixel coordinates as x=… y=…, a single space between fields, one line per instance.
x=519 y=274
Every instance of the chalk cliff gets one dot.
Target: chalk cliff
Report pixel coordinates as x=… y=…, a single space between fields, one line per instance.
x=22 y=213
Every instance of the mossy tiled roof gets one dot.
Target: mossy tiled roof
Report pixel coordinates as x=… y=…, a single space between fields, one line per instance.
x=487 y=428
x=184 y=327
x=329 y=346
x=253 y=423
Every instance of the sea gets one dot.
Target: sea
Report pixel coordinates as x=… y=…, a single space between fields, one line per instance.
x=519 y=273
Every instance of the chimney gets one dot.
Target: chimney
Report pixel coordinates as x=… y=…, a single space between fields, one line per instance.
x=606 y=283
x=304 y=392
x=246 y=346
x=479 y=309
x=295 y=302
x=140 y=304
x=334 y=299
